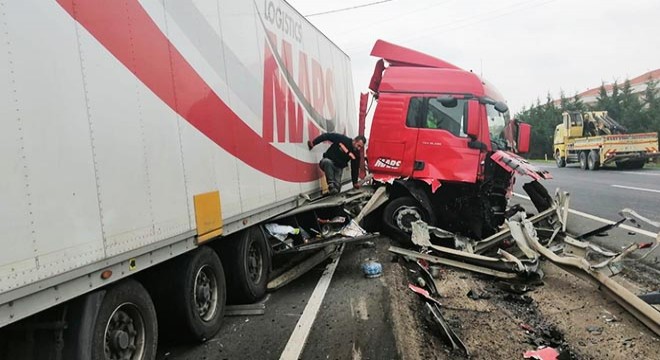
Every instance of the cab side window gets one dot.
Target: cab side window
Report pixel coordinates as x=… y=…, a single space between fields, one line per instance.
x=415 y=112
x=429 y=113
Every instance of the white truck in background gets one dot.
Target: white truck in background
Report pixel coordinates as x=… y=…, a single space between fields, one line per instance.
x=142 y=143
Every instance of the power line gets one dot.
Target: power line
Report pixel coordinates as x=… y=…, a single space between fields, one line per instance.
x=468 y=21
x=348 y=8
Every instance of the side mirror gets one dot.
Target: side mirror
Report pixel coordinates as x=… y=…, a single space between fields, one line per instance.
x=524 y=136
x=501 y=107
x=447 y=101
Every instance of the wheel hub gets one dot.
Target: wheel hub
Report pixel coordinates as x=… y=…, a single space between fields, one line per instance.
x=206 y=293
x=255 y=263
x=120 y=340
x=125 y=334
x=405 y=216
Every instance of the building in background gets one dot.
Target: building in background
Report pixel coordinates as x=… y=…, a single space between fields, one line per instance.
x=637 y=84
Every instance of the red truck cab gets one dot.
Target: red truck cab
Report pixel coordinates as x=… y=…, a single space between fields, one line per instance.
x=434 y=130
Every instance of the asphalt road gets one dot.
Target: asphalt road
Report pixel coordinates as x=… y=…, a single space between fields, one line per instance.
x=348 y=321
x=606 y=191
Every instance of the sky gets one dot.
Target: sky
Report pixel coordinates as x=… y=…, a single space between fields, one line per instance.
x=526 y=48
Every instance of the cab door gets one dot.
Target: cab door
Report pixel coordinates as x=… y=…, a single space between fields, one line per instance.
x=442 y=151
x=392 y=144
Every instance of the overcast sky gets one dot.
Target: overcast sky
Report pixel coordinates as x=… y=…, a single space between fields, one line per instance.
x=526 y=48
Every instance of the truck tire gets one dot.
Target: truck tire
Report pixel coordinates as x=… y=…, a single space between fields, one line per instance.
x=593 y=161
x=561 y=162
x=197 y=302
x=125 y=326
x=247 y=258
x=400 y=213
x=583 y=160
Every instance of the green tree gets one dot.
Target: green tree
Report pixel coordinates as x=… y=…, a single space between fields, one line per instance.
x=651 y=106
x=603 y=100
x=631 y=110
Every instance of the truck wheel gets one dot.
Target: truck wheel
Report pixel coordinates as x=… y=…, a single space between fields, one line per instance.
x=639 y=164
x=630 y=165
x=561 y=162
x=199 y=294
x=583 y=160
x=248 y=263
x=593 y=162
x=400 y=213
x=126 y=325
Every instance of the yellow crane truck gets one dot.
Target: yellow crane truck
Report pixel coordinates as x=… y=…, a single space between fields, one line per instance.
x=594 y=139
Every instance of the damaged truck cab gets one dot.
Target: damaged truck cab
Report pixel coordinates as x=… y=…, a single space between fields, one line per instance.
x=439 y=140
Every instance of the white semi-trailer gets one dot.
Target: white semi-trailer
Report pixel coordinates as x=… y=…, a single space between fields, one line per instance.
x=141 y=143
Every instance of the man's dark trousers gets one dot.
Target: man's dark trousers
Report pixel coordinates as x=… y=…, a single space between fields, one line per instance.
x=332 y=174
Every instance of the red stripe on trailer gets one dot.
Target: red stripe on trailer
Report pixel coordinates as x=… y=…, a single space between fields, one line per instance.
x=130 y=35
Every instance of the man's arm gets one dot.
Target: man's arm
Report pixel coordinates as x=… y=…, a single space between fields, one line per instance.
x=355 y=171
x=334 y=137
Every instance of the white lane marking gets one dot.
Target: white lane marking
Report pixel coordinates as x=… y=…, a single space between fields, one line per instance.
x=296 y=343
x=654 y=173
x=604 y=221
x=635 y=188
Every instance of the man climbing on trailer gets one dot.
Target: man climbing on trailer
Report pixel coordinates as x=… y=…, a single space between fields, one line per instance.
x=336 y=158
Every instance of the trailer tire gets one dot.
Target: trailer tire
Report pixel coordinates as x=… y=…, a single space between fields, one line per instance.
x=630 y=165
x=399 y=213
x=126 y=318
x=198 y=301
x=583 y=160
x=561 y=162
x=593 y=162
x=248 y=260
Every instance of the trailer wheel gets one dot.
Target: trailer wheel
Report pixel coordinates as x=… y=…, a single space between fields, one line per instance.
x=198 y=298
x=248 y=261
x=126 y=325
x=561 y=162
x=583 y=160
x=400 y=213
x=593 y=162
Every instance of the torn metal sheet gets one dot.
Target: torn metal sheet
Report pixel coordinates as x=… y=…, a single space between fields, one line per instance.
x=493 y=240
x=631 y=214
x=509 y=263
x=379 y=198
x=336 y=241
x=514 y=163
x=301 y=268
x=327 y=202
x=453 y=263
x=600 y=230
x=454 y=340
x=580 y=267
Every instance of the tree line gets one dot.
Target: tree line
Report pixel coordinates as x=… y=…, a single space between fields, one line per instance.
x=636 y=112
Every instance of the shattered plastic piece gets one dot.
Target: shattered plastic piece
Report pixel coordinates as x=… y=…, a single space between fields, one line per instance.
x=352 y=230
x=372 y=269
x=424 y=293
x=546 y=353
x=281 y=232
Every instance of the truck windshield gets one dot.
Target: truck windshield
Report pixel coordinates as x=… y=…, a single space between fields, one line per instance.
x=496 y=124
